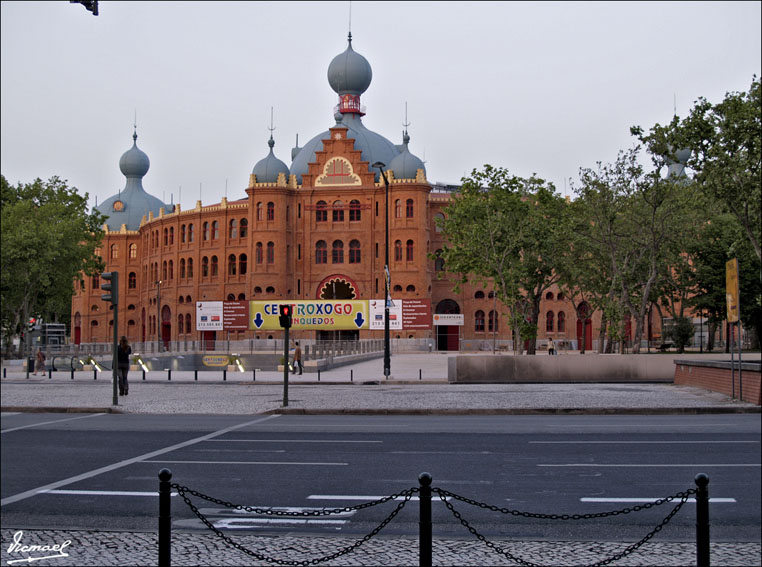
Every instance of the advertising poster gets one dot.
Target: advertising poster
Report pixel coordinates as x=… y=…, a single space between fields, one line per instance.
x=377 y=315
x=319 y=315
x=209 y=315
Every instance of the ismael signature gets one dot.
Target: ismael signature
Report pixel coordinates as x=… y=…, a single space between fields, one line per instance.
x=17 y=547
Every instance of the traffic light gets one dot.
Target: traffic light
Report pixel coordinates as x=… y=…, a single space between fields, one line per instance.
x=111 y=285
x=286 y=312
x=31 y=324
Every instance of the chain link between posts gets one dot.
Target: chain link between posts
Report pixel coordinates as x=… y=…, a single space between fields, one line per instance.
x=405 y=497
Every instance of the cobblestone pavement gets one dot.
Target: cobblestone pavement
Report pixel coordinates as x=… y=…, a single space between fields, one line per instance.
x=140 y=548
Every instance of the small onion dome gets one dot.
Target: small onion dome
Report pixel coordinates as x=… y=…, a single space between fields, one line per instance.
x=349 y=72
x=406 y=165
x=676 y=168
x=268 y=169
x=134 y=162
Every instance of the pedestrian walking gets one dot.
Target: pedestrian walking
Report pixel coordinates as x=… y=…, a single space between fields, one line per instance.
x=297 y=359
x=551 y=346
x=40 y=366
x=123 y=352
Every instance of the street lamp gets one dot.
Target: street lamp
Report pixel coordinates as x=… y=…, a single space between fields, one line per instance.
x=158 y=314
x=387 y=355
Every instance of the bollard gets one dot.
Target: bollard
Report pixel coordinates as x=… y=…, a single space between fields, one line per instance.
x=95 y=373
x=169 y=374
x=72 y=373
x=702 y=520
x=50 y=373
x=351 y=375
x=144 y=375
x=165 y=518
x=225 y=375
x=5 y=372
x=424 y=525
x=420 y=374
x=195 y=374
x=254 y=374
x=318 y=375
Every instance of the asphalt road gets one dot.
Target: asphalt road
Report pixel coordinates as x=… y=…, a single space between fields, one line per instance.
x=99 y=471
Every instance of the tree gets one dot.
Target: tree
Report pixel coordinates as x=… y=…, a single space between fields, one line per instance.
x=47 y=240
x=506 y=229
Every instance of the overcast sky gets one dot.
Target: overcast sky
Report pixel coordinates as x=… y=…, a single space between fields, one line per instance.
x=535 y=87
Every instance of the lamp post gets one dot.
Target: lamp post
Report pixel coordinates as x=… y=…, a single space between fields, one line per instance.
x=387 y=354
x=158 y=314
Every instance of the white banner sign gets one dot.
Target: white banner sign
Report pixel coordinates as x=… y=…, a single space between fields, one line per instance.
x=448 y=319
x=209 y=315
x=376 y=309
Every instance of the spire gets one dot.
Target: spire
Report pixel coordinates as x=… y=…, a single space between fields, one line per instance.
x=271 y=141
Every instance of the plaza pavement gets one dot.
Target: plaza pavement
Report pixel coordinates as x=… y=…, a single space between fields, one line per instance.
x=418 y=385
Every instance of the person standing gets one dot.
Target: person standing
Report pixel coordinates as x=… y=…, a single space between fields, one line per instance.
x=40 y=366
x=297 y=359
x=551 y=346
x=123 y=352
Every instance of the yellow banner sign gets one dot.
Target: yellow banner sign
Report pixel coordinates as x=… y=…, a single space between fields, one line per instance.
x=732 y=292
x=216 y=360
x=324 y=315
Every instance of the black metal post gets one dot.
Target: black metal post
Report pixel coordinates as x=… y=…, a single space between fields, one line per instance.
x=702 y=520
x=165 y=518
x=195 y=374
x=169 y=374
x=95 y=373
x=424 y=525
x=387 y=349
x=144 y=375
x=285 y=367
x=225 y=374
x=50 y=373
x=253 y=374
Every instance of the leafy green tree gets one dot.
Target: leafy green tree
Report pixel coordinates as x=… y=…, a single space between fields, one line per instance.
x=47 y=239
x=505 y=229
x=680 y=331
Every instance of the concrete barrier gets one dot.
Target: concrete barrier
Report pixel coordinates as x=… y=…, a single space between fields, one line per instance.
x=590 y=367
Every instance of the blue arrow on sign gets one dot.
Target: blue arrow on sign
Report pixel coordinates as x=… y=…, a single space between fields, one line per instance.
x=359 y=319
x=258 y=320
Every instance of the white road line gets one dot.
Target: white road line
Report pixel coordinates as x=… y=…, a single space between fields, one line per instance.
x=141 y=458
x=288 y=441
x=636 y=500
x=243 y=523
x=634 y=442
x=248 y=463
x=654 y=465
x=101 y=493
x=363 y=498
x=50 y=422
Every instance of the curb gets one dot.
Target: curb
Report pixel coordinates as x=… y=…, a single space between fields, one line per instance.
x=43 y=409
x=514 y=411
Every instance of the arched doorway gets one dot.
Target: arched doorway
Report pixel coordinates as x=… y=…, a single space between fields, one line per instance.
x=337 y=287
x=77 y=328
x=583 y=318
x=448 y=336
x=166 y=326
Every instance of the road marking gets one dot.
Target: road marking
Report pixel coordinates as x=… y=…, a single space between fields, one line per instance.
x=289 y=441
x=634 y=442
x=636 y=500
x=141 y=458
x=362 y=498
x=654 y=465
x=243 y=523
x=248 y=463
x=49 y=422
x=101 y=493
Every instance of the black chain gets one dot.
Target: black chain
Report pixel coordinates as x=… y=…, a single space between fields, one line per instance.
x=405 y=495
x=443 y=494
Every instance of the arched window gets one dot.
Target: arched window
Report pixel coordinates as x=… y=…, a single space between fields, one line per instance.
x=549 y=296
x=438 y=220
x=409 y=251
x=479 y=295
x=190 y=268
x=171 y=235
x=397 y=250
x=260 y=212
x=493 y=322
x=171 y=269
x=258 y=253
x=132 y=281
x=560 y=296
x=409 y=208
x=338 y=211
x=242 y=264
x=321 y=211
x=190 y=232
x=549 y=317
x=231 y=297
x=561 y=322
x=479 y=321
x=257 y=290
x=398 y=209
x=397 y=288
x=354 y=211
x=354 y=252
x=187 y=324
x=410 y=288
x=114 y=251
x=204 y=267
x=182 y=234
x=133 y=250
x=232 y=264
x=241 y=297
x=271 y=211
x=166 y=237
x=164 y=270
x=244 y=228
x=205 y=231
x=215 y=230
x=321 y=252
x=270 y=289
x=439 y=261
x=270 y=252
x=337 y=254
x=180 y=320
x=215 y=266
x=182 y=268
x=233 y=229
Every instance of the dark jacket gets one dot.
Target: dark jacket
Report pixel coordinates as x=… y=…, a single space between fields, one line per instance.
x=123 y=356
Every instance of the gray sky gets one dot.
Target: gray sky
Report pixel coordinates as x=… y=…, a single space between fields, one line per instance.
x=538 y=87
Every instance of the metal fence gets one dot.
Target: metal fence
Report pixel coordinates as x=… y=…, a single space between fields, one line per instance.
x=425 y=492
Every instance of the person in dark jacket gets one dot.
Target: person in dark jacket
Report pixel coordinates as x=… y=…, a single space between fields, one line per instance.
x=123 y=352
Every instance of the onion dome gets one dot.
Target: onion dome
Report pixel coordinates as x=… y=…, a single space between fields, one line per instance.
x=268 y=169
x=131 y=204
x=349 y=72
x=406 y=165
x=676 y=168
